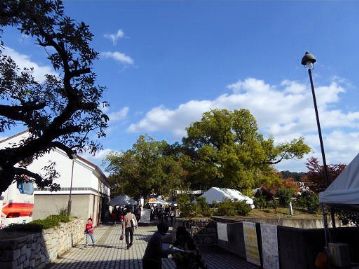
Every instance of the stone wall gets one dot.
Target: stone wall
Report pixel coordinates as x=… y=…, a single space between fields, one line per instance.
x=203 y=231
x=36 y=250
x=295 y=223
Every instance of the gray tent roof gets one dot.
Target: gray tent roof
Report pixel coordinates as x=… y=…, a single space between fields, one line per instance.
x=122 y=200
x=344 y=189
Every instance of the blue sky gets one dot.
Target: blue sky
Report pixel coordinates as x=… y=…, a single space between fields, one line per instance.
x=164 y=63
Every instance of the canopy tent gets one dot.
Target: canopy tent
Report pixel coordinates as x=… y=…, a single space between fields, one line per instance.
x=216 y=195
x=157 y=201
x=344 y=190
x=122 y=200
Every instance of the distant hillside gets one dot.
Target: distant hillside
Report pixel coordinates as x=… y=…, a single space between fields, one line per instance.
x=295 y=175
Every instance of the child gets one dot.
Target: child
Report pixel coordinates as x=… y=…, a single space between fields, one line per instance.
x=89 y=232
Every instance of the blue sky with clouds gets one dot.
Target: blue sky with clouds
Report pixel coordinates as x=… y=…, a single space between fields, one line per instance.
x=164 y=63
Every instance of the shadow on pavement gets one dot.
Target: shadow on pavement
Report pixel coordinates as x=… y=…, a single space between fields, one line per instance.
x=216 y=257
x=83 y=247
x=104 y=264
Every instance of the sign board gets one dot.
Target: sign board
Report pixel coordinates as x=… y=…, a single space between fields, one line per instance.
x=222 y=231
x=251 y=243
x=145 y=215
x=269 y=246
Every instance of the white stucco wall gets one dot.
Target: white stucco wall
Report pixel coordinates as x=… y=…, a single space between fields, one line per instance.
x=84 y=174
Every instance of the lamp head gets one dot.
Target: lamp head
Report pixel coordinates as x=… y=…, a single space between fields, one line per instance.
x=308 y=60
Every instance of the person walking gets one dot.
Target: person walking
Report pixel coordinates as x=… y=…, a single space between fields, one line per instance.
x=172 y=215
x=129 y=224
x=89 y=232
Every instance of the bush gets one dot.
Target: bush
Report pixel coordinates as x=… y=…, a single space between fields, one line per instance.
x=347 y=215
x=285 y=195
x=273 y=204
x=308 y=201
x=242 y=208
x=229 y=208
x=39 y=225
x=202 y=208
x=260 y=202
x=185 y=205
x=226 y=208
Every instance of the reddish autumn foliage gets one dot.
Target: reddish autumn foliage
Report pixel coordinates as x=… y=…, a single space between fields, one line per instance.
x=315 y=177
x=269 y=191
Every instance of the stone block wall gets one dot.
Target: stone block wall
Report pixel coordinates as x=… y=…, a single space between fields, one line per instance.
x=204 y=231
x=27 y=251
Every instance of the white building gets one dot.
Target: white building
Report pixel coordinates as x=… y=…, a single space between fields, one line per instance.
x=90 y=189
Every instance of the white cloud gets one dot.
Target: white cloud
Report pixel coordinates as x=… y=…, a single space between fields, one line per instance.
x=99 y=157
x=118 y=56
x=24 y=61
x=115 y=37
x=119 y=115
x=284 y=111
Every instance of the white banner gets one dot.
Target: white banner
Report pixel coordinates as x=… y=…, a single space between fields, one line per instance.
x=251 y=243
x=269 y=246
x=222 y=231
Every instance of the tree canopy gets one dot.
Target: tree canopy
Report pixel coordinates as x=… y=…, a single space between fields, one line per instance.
x=223 y=149
x=64 y=109
x=228 y=151
x=144 y=169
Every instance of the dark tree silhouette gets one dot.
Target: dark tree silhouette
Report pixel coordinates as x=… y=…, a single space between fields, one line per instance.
x=63 y=110
x=315 y=177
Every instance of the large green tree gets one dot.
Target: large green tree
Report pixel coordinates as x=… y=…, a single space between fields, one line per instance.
x=63 y=110
x=147 y=167
x=227 y=150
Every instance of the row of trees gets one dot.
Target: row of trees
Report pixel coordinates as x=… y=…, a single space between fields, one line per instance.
x=223 y=149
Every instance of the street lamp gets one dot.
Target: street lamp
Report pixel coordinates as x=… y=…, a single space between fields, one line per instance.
x=308 y=61
x=69 y=203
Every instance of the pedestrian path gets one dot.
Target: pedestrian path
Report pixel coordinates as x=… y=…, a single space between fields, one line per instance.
x=111 y=253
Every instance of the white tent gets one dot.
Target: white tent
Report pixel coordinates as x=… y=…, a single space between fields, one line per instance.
x=217 y=195
x=345 y=188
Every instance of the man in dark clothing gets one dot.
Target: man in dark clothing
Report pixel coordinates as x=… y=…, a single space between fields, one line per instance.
x=154 y=252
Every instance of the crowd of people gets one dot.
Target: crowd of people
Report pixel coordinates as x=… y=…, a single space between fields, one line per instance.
x=183 y=249
x=162 y=213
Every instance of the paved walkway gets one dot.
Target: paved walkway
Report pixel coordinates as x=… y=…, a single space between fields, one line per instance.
x=111 y=253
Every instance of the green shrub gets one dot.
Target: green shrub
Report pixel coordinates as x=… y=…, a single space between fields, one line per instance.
x=260 y=202
x=242 y=208
x=51 y=221
x=308 y=201
x=186 y=207
x=347 y=215
x=273 y=204
x=202 y=208
x=226 y=208
x=40 y=224
x=285 y=195
x=229 y=208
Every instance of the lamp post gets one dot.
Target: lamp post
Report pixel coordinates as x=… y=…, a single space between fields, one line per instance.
x=308 y=61
x=69 y=203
